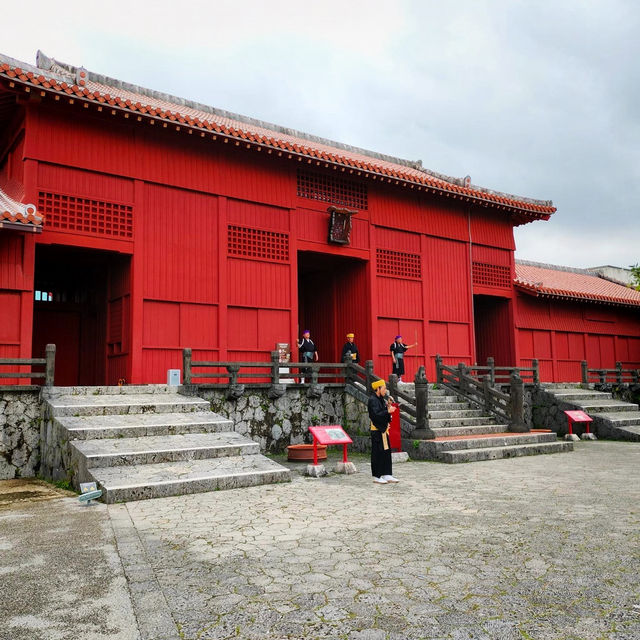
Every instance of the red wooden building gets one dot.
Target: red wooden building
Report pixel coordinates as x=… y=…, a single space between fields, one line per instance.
x=568 y=315
x=164 y=224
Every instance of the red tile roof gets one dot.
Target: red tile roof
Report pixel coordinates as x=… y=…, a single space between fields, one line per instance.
x=557 y=283
x=14 y=214
x=77 y=82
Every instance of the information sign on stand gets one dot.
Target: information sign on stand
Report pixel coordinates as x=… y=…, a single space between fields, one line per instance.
x=332 y=434
x=578 y=417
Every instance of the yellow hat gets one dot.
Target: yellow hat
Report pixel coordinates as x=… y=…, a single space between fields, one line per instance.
x=349 y=335
x=377 y=384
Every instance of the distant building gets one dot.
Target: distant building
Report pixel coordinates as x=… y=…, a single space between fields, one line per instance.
x=619 y=274
x=161 y=224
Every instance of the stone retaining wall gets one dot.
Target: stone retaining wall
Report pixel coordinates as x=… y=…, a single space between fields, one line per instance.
x=277 y=423
x=20 y=420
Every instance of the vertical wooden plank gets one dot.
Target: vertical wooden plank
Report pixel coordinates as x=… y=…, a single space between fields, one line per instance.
x=223 y=278
x=135 y=371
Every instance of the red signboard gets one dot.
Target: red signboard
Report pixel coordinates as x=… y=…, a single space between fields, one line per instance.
x=578 y=416
x=332 y=434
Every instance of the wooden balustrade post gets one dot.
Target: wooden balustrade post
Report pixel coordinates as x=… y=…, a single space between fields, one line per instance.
x=462 y=382
x=584 y=367
x=517 y=404
x=368 y=374
x=439 y=377
x=635 y=375
x=422 y=402
x=535 y=365
x=491 y=363
x=50 y=366
x=603 y=376
x=393 y=386
x=275 y=367
x=186 y=366
x=619 y=372
x=233 y=369
x=486 y=389
x=314 y=375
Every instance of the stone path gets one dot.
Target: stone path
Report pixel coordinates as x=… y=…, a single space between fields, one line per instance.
x=545 y=547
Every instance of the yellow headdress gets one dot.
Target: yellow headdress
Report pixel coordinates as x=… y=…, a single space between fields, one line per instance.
x=350 y=335
x=377 y=384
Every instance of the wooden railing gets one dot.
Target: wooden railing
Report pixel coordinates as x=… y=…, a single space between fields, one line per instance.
x=610 y=376
x=482 y=393
x=274 y=375
x=49 y=362
x=502 y=375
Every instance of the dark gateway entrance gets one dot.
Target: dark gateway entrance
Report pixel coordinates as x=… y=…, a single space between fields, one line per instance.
x=81 y=304
x=493 y=323
x=333 y=300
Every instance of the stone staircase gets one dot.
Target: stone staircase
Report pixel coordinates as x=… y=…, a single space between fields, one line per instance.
x=149 y=441
x=466 y=434
x=612 y=418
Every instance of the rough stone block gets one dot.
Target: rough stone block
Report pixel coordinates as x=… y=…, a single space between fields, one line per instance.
x=572 y=437
x=588 y=436
x=316 y=470
x=399 y=456
x=345 y=467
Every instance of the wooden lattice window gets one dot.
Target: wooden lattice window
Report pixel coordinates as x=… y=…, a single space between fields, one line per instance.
x=333 y=189
x=491 y=275
x=256 y=243
x=86 y=215
x=398 y=264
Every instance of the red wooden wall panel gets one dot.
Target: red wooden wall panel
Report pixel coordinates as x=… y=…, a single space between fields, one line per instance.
x=79 y=182
x=260 y=284
x=180 y=245
x=419 y=213
x=399 y=298
x=446 y=280
x=493 y=229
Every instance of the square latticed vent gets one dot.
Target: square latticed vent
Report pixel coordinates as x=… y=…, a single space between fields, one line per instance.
x=398 y=264
x=491 y=275
x=86 y=215
x=332 y=189
x=256 y=243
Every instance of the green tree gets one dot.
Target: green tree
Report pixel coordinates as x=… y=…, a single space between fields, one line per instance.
x=635 y=275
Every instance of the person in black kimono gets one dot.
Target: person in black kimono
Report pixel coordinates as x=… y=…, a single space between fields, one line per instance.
x=350 y=351
x=308 y=353
x=397 y=349
x=380 y=410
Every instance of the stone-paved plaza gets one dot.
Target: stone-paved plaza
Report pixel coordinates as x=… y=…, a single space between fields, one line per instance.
x=539 y=547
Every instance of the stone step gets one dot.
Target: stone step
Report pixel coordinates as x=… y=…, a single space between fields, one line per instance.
x=120 y=484
x=494 y=440
x=622 y=418
x=460 y=413
x=606 y=406
x=444 y=432
x=460 y=422
x=116 y=404
x=448 y=406
x=50 y=392
x=154 y=449
x=143 y=424
x=495 y=453
x=579 y=394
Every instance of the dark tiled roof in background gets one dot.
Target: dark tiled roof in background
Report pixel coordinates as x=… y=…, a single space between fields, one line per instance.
x=573 y=284
x=78 y=82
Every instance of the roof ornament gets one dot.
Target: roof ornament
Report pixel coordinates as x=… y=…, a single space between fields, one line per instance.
x=467 y=181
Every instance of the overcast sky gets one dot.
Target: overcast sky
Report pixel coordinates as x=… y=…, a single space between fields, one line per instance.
x=536 y=98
